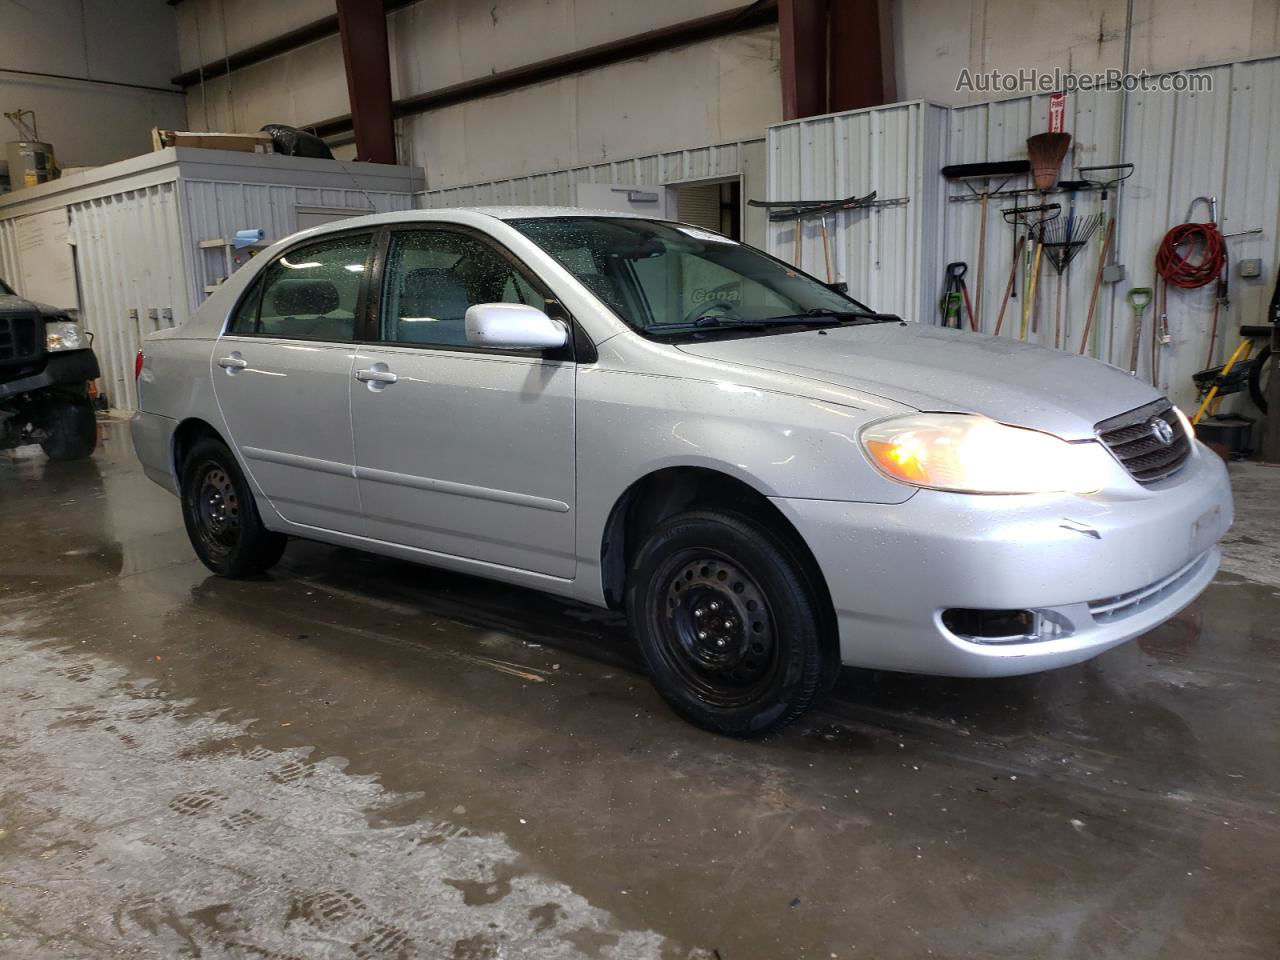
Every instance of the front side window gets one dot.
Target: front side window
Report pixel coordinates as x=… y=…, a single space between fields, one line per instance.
x=669 y=278
x=310 y=293
x=433 y=276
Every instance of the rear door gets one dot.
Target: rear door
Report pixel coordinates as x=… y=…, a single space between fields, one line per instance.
x=282 y=376
x=464 y=451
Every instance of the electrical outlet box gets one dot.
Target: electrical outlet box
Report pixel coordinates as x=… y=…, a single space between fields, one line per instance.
x=1113 y=273
x=1250 y=268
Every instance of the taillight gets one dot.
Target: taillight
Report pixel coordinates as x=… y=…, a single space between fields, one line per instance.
x=137 y=365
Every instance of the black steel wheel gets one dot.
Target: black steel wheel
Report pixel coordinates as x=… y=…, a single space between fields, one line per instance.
x=221 y=517
x=730 y=623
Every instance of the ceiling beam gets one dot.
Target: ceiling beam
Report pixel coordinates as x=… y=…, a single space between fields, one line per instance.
x=362 y=24
x=616 y=51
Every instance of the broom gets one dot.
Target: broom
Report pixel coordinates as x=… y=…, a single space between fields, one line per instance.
x=1045 y=151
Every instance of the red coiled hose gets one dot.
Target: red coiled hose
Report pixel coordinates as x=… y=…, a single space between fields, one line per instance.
x=1175 y=268
x=1180 y=270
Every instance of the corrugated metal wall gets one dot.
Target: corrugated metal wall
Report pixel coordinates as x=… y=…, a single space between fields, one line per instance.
x=129 y=262
x=215 y=210
x=10 y=269
x=886 y=254
x=1222 y=143
x=746 y=158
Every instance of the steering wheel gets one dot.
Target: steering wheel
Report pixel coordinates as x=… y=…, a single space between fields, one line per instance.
x=709 y=308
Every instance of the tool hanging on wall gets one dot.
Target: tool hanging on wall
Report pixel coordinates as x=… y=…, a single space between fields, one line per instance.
x=986 y=172
x=1139 y=299
x=1063 y=239
x=1106 y=177
x=1030 y=219
x=1097 y=282
x=1013 y=270
x=955 y=294
x=1191 y=255
x=801 y=210
x=1045 y=152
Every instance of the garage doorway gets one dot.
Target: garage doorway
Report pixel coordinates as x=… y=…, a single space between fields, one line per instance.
x=713 y=204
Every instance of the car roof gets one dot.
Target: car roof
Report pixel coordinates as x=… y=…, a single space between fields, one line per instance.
x=474 y=216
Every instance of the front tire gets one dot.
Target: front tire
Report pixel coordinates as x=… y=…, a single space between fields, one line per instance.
x=70 y=428
x=731 y=623
x=221 y=516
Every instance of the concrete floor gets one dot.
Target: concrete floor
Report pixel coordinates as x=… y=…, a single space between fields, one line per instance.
x=355 y=757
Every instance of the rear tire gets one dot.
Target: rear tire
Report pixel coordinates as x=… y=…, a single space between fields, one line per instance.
x=222 y=517
x=70 y=428
x=730 y=622
x=1257 y=389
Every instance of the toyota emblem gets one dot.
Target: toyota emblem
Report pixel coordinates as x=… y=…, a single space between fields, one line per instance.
x=1161 y=430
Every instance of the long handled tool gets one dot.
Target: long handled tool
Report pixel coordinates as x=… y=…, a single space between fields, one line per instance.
x=986 y=172
x=1045 y=152
x=955 y=294
x=1097 y=282
x=1139 y=299
x=1033 y=219
x=1063 y=239
x=1013 y=271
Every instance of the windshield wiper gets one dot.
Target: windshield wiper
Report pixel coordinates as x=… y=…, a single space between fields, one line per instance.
x=841 y=316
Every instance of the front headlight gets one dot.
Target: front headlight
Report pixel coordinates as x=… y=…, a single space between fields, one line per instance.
x=964 y=453
x=64 y=335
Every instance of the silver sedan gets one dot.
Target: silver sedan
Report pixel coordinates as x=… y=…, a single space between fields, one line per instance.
x=770 y=477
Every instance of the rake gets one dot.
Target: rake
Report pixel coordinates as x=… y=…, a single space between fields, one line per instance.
x=1034 y=220
x=1062 y=240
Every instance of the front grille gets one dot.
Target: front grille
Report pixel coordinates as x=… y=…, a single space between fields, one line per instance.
x=1132 y=438
x=1109 y=609
x=20 y=339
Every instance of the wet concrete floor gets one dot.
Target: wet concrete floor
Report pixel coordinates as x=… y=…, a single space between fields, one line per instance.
x=356 y=757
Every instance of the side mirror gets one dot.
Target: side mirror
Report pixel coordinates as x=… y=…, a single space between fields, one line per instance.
x=513 y=326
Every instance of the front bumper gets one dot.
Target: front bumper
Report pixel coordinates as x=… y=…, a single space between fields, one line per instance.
x=60 y=368
x=1100 y=569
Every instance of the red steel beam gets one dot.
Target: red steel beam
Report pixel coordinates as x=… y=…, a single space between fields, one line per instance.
x=857 y=62
x=362 y=25
x=802 y=31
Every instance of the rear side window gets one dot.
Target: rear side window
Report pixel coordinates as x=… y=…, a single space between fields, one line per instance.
x=310 y=293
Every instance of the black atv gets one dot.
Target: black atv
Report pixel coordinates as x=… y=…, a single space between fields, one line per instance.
x=46 y=362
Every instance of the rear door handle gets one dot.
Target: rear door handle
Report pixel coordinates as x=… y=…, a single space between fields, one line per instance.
x=232 y=362
x=376 y=376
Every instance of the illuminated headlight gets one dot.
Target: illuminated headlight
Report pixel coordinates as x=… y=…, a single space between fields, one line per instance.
x=1186 y=425
x=964 y=453
x=64 y=335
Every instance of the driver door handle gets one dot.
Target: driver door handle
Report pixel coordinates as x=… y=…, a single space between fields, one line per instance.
x=376 y=376
x=232 y=363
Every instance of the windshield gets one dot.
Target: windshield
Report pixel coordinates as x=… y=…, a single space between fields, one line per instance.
x=667 y=279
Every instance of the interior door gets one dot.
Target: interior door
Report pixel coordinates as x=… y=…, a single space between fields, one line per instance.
x=463 y=451
x=282 y=377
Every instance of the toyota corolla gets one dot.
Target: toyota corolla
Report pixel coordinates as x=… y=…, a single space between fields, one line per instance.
x=768 y=476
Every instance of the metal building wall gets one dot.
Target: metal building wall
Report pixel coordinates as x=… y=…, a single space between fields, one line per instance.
x=1221 y=143
x=215 y=210
x=9 y=266
x=886 y=254
x=746 y=158
x=129 y=261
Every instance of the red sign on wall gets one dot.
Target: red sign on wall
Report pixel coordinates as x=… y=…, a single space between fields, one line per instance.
x=1057 y=111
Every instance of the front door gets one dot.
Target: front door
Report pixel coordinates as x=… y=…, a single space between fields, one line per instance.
x=463 y=451
x=282 y=377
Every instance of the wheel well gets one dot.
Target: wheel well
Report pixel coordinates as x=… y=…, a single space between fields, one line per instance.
x=187 y=434
x=664 y=493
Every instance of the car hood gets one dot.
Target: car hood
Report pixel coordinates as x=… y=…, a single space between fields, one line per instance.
x=939 y=369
